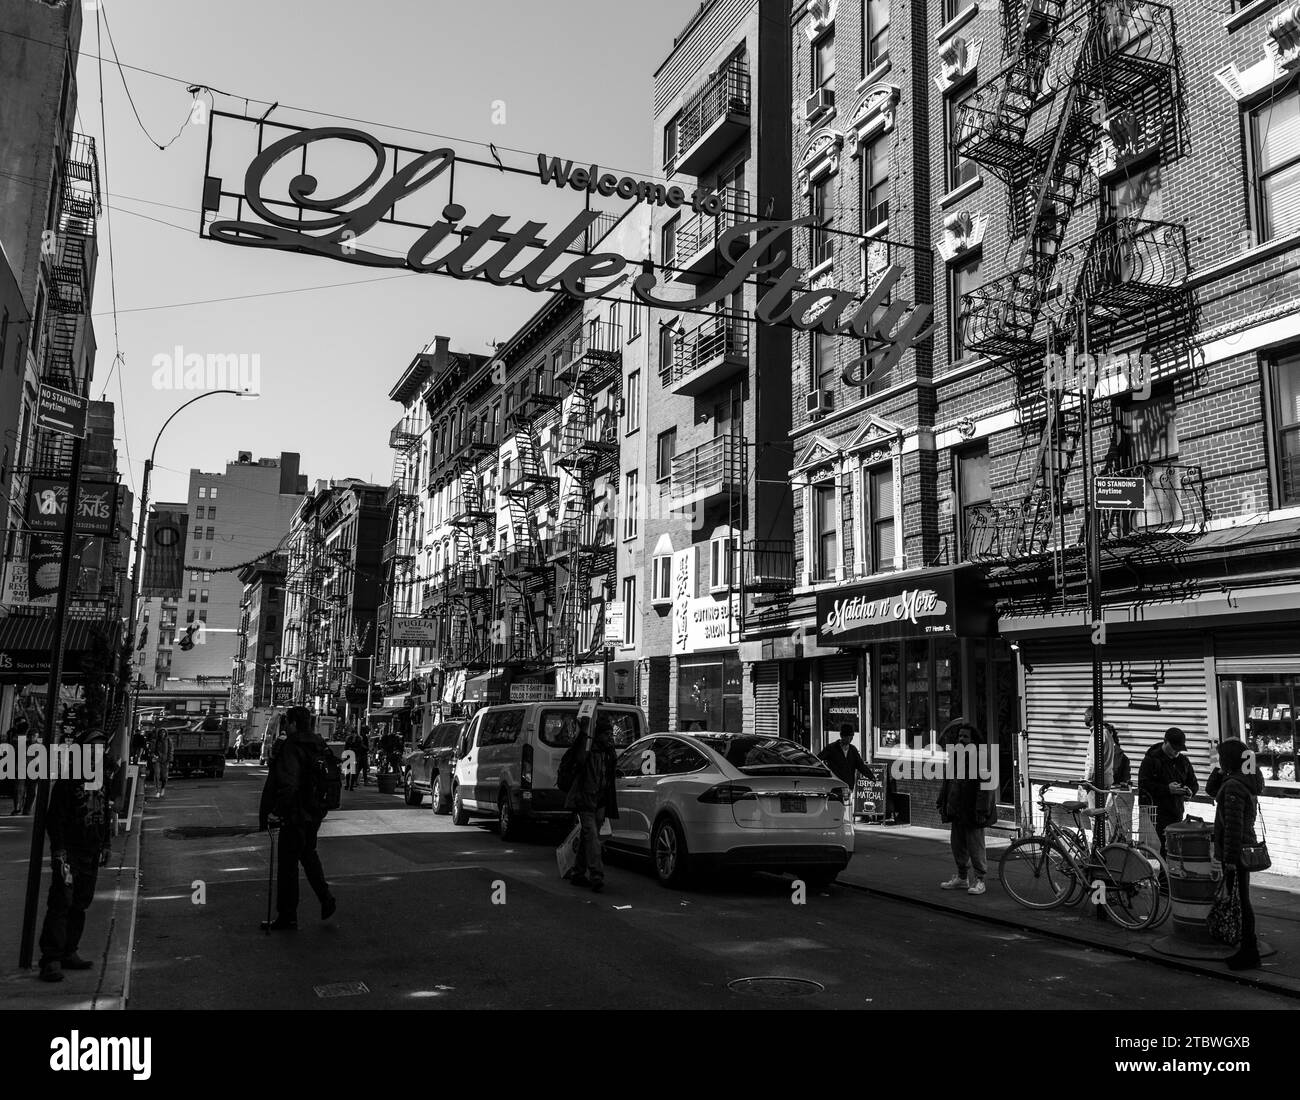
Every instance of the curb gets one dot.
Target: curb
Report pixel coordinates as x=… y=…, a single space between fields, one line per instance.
x=1114 y=949
x=138 y=826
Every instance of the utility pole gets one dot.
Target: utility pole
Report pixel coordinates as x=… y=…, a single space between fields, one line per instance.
x=36 y=858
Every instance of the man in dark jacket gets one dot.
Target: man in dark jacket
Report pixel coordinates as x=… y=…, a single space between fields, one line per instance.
x=1166 y=779
x=843 y=758
x=1236 y=785
x=592 y=796
x=288 y=797
x=967 y=806
x=79 y=824
x=24 y=792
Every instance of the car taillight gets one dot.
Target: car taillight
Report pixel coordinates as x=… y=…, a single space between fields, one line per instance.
x=839 y=794
x=727 y=793
x=526 y=770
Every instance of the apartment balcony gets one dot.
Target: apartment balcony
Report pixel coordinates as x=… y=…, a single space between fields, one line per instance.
x=405 y=434
x=709 y=354
x=402 y=493
x=467 y=580
x=696 y=255
x=541 y=399
x=473 y=443
x=1133 y=265
x=704 y=473
x=713 y=119
x=523 y=561
x=768 y=565
x=469 y=511
x=592 y=357
x=398 y=549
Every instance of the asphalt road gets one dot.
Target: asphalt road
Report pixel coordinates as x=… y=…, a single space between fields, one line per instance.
x=431 y=915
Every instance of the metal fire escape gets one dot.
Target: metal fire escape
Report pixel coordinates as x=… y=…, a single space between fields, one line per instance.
x=588 y=451
x=1086 y=83
x=466 y=583
x=402 y=501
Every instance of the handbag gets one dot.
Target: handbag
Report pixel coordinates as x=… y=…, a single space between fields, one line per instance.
x=1224 y=921
x=1255 y=857
x=566 y=855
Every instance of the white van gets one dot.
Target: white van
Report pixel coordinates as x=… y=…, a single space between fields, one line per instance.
x=508 y=756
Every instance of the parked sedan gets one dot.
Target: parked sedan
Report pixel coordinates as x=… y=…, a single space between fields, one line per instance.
x=428 y=767
x=692 y=802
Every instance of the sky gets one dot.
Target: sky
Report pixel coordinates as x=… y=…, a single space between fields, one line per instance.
x=566 y=77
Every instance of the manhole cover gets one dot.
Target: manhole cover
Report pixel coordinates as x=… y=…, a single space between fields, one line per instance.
x=190 y=832
x=776 y=987
x=341 y=989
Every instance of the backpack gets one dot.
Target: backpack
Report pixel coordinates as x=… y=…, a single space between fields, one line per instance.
x=1123 y=768
x=323 y=781
x=568 y=770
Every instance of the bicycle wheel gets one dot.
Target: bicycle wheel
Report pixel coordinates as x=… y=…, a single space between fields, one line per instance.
x=1078 y=851
x=1133 y=890
x=1158 y=865
x=1037 y=872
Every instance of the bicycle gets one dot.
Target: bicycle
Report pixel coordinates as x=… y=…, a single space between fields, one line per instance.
x=1060 y=867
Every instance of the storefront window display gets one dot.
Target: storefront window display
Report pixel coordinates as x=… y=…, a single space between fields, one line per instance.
x=709 y=694
x=1261 y=710
x=917 y=691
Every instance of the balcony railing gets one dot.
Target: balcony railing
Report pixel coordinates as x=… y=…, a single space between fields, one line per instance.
x=1174 y=502
x=695 y=252
x=768 y=565
x=712 y=117
x=1132 y=264
x=405 y=434
x=399 y=549
x=710 y=353
x=712 y=469
x=472 y=442
x=591 y=355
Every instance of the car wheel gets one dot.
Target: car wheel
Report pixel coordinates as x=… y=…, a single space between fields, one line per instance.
x=507 y=824
x=668 y=852
x=435 y=796
x=458 y=814
x=413 y=796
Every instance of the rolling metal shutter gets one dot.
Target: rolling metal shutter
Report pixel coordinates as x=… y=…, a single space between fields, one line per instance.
x=767 y=699
x=1265 y=650
x=1150 y=684
x=839 y=675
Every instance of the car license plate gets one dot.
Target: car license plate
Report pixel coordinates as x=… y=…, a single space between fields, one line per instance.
x=794 y=804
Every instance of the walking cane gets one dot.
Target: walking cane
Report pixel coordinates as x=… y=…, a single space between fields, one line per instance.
x=270 y=882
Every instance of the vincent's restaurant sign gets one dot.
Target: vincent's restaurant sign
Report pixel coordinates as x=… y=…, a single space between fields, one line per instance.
x=531 y=256
x=926 y=604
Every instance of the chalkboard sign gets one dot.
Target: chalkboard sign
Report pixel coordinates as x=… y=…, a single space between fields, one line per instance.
x=869 y=793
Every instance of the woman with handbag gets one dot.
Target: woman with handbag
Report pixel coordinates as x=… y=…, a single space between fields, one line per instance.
x=1236 y=786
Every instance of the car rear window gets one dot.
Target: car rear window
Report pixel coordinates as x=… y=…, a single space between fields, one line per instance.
x=765 y=755
x=559 y=728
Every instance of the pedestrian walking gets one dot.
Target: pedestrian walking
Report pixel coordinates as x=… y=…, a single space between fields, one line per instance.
x=355 y=744
x=162 y=759
x=1114 y=776
x=1236 y=792
x=967 y=807
x=842 y=756
x=24 y=793
x=1166 y=779
x=79 y=825
x=239 y=745
x=591 y=762
x=292 y=796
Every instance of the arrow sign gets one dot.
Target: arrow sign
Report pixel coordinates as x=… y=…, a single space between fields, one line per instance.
x=1124 y=494
x=62 y=412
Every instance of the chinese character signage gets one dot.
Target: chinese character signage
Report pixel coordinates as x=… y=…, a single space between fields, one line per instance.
x=700 y=622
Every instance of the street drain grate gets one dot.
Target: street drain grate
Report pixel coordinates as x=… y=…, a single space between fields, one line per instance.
x=341 y=989
x=191 y=832
x=776 y=987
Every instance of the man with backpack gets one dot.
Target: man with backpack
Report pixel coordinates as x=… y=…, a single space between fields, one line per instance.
x=586 y=774
x=304 y=782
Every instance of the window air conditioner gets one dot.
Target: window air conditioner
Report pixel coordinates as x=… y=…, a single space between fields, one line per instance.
x=821 y=101
x=819 y=402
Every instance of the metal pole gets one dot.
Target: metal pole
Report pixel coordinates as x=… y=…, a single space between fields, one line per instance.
x=1096 y=627
x=36 y=856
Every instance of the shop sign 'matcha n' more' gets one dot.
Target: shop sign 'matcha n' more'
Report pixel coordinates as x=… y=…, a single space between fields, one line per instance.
x=531 y=256
x=936 y=602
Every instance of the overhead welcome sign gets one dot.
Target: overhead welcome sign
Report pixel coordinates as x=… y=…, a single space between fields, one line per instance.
x=280 y=206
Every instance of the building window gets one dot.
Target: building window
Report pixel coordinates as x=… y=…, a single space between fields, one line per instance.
x=196 y=555
x=1136 y=194
x=826 y=534
x=880 y=517
x=631 y=485
x=212 y=493
x=876 y=33
x=822 y=207
x=203 y=596
x=823 y=369
x=958 y=169
x=667 y=353
x=629 y=611
x=963 y=277
x=1275 y=157
x=1149 y=445
x=719 y=564
x=670 y=142
x=972 y=485
x=207 y=555
x=194 y=592
x=203 y=616
x=875 y=182
x=668 y=237
x=633 y=319
x=203 y=492
x=199 y=514
x=632 y=408
x=210 y=533
x=661 y=579
x=917 y=687
x=1285 y=387
x=665 y=448
x=194 y=575
x=823 y=66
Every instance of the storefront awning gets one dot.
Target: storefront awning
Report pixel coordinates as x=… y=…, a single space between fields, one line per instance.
x=485 y=689
x=952 y=603
x=27 y=644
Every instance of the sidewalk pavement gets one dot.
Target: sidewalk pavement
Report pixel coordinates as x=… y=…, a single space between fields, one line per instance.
x=106 y=940
x=907 y=863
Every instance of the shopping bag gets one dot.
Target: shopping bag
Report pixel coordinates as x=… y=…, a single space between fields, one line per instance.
x=606 y=828
x=1224 y=922
x=566 y=855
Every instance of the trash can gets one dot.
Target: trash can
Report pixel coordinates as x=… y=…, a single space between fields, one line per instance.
x=1194 y=877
